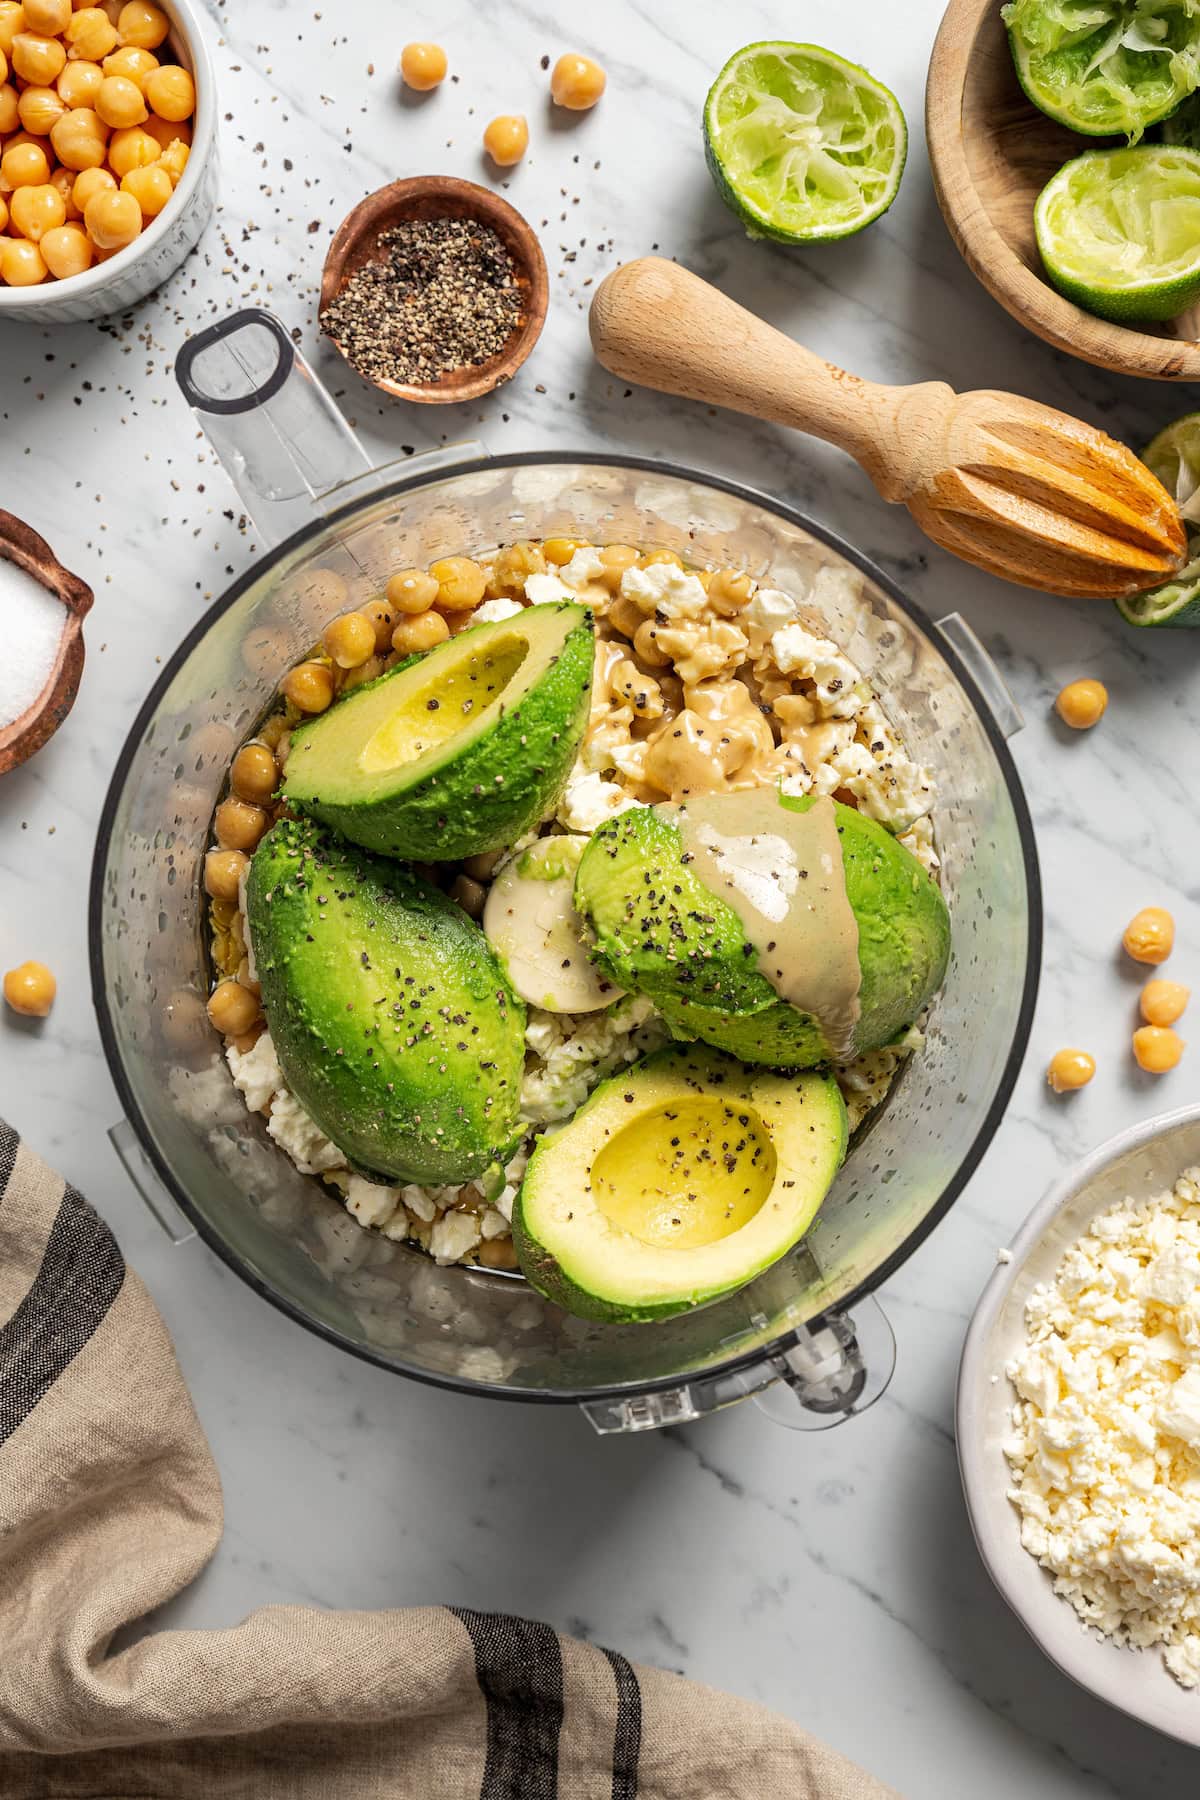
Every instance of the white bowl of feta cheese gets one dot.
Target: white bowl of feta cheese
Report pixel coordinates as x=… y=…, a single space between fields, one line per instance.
x=1078 y=1424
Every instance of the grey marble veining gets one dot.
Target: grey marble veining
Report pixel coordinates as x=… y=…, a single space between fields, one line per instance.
x=830 y=1576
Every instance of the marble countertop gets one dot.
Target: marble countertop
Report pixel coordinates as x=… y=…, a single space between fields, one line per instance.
x=831 y=1576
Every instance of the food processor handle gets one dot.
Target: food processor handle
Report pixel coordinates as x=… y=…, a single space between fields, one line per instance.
x=280 y=438
x=656 y=324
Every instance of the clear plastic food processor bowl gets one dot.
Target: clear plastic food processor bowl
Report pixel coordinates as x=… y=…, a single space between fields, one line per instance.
x=805 y=1334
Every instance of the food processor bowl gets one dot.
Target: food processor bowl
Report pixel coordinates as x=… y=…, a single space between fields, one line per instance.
x=805 y=1328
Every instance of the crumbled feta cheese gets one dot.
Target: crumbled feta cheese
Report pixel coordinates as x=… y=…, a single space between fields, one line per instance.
x=453 y=1234
x=583 y=567
x=370 y=1203
x=256 y=1072
x=589 y=800
x=493 y=610
x=544 y=590
x=797 y=652
x=303 y=1139
x=770 y=609
x=896 y=794
x=1105 y=1439
x=665 y=591
x=494 y=1223
x=597 y=1044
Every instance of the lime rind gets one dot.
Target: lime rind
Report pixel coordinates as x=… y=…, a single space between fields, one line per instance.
x=1174 y=457
x=804 y=146
x=1119 y=232
x=1106 y=67
x=1175 y=603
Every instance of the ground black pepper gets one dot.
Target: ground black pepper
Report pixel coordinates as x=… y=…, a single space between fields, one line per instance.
x=442 y=296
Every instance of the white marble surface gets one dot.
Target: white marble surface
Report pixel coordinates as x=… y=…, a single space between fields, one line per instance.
x=832 y=1577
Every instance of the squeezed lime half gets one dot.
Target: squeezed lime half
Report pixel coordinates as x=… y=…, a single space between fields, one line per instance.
x=804 y=146
x=1174 y=456
x=1119 y=231
x=1105 y=67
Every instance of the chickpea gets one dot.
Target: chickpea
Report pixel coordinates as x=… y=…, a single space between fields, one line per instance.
x=151 y=188
x=39 y=109
x=89 y=182
x=616 y=559
x=423 y=66
x=136 y=65
x=140 y=23
x=112 y=220
x=1156 y=1048
x=1081 y=704
x=576 y=82
x=119 y=102
x=223 y=871
x=174 y=158
x=238 y=825
x=232 y=1008
x=246 y=1040
x=729 y=590
x=350 y=640
x=420 y=633
x=50 y=17
x=498 y=1253
x=253 y=775
x=21 y=263
x=512 y=568
x=10 y=104
x=506 y=139
x=468 y=894
x=1069 y=1070
x=67 y=250
x=37 y=210
x=381 y=616
x=24 y=165
x=559 y=550
x=167 y=133
x=309 y=687
x=12 y=20
x=171 y=93
x=625 y=616
x=653 y=557
x=1150 y=935
x=460 y=583
x=1162 y=1002
x=90 y=35
x=484 y=866
x=37 y=59
x=132 y=148
x=79 y=84
x=80 y=138
x=64 y=181
x=3 y=213
x=30 y=989
x=645 y=642
x=412 y=590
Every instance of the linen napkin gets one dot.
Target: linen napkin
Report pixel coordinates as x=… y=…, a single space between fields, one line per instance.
x=110 y=1504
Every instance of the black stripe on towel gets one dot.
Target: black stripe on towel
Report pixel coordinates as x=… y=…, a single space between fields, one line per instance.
x=80 y=1277
x=627 y=1737
x=9 y=1145
x=518 y=1665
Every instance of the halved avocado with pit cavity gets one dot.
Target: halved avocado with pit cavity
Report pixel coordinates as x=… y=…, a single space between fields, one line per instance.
x=677 y=1182
x=458 y=751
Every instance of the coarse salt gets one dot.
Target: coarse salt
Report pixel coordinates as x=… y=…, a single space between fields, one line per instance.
x=33 y=620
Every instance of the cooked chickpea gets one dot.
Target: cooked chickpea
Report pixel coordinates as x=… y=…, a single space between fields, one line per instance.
x=30 y=989
x=349 y=640
x=559 y=550
x=80 y=138
x=419 y=633
x=89 y=182
x=246 y=1040
x=1156 y=1048
x=136 y=65
x=171 y=93
x=112 y=220
x=150 y=187
x=132 y=148
x=37 y=59
x=1162 y=1002
x=653 y=557
x=39 y=109
x=79 y=83
x=616 y=559
x=412 y=590
x=67 y=250
x=174 y=159
x=91 y=35
x=21 y=263
x=120 y=102
x=12 y=20
x=10 y=103
x=498 y=1253
x=223 y=871
x=1069 y=1070
x=729 y=590
x=232 y=1008
x=37 y=210
x=645 y=642
x=1081 y=704
x=468 y=894
x=576 y=82
x=506 y=139
x=24 y=165
x=64 y=181
x=1150 y=935
x=167 y=133
x=512 y=568
x=253 y=774
x=309 y=687
x=381 y=616
x=142 y=24
x=423 y=66
x=3 y=213
x=238 y=825
x=50 y=17
x=461 y=583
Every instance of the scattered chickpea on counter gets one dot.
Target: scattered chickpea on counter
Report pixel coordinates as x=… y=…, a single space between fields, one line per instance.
x=1163 y=1002
x=29 y=989
x=506 y=139
x=1150 y=935
x=1070 y=1070
x=423 y=66
x=576 y=82
x=1082 y=704
x=1157 y=1049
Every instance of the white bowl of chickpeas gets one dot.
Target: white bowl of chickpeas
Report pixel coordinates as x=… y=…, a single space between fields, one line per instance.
x=107 y=153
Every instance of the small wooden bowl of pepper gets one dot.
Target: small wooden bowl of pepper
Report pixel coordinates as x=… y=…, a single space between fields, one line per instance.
x=434 y=289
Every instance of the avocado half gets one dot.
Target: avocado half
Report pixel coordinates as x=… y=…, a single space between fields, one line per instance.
x=677 y=1182
x=455 y=752
x=662 y=932
x=394 y=1025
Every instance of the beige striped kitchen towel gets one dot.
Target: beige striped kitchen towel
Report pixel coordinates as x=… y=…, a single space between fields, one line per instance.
x=110 y=1504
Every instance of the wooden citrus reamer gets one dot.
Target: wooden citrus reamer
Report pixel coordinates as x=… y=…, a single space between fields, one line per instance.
x=1017 y=488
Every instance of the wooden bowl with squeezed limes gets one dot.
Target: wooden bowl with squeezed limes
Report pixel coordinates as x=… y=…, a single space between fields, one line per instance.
x=992 y=152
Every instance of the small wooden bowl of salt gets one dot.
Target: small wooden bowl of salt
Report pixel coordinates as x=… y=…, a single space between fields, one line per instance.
x=42 y=609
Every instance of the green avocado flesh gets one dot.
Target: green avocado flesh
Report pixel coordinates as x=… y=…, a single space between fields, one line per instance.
x=458 y=751
x=678 y=1181
x=394 y=1025
x=662 y=932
